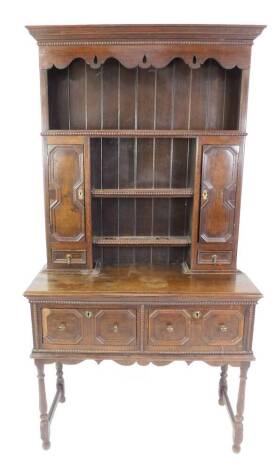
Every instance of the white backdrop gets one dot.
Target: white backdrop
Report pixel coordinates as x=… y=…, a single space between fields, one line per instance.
x=120 y=417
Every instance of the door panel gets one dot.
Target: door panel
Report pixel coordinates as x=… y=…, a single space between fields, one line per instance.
x=66 y=193
x=218 y=190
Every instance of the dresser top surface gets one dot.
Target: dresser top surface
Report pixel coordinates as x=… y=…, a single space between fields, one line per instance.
x=139 y=281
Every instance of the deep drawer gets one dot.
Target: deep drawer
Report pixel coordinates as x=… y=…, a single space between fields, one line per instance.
x=195 y=328
x=97 y=329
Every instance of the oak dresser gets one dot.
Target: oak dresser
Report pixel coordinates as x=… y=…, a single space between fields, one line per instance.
x=143 y=132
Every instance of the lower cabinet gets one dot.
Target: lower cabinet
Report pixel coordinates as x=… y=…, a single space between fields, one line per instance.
x=149 y=329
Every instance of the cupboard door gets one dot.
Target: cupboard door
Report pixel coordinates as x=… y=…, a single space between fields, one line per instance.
x=218 y=193
x=66 y=193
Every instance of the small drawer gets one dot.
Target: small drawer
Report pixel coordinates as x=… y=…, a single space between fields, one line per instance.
x=216 y=257
x=69 y=257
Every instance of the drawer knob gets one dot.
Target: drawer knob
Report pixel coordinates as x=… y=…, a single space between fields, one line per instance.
x=88 y=314
x=115 y=328
x=196 y=315
x=214 y=259
x=68 y=258
x=62 y=326
x=169 y=328
x=223 y=328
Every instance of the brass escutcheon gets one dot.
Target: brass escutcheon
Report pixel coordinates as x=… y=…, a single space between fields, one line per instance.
x=205 y=195
x=81 y=194
x=88 y=314
x=196 y=315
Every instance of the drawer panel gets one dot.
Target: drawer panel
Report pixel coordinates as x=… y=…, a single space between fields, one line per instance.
x=99 y=328
x=222 y=327
x=69 y=257
x=216 y=257
x=168 y=327
x=194 y=328
x=62 y=326
x=115 y=327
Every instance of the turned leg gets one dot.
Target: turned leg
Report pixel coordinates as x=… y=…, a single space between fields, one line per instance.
x=238 y=419
x=60 y=381
x=44 y=421
x=222 y=384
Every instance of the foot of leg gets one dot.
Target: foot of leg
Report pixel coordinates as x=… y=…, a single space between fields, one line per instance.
x=222 y=384
x=238 y=423
x=60 y=381
x=44 y=421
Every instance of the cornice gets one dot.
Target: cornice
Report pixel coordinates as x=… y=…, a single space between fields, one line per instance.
x=181 y=32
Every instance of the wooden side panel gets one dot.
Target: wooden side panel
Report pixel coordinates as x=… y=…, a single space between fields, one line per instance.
x=127 y=97
x=164 y=98
x=233 y=94
x=77 y=95
x=146 y=98
x=219 y=184
x=110 y=94
x=198 y=96
x=181 y=95
x=58 y=98
x=93 y=97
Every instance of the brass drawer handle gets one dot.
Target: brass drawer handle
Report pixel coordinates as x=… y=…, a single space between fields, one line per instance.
x=88 y=314
x=223 y=328
x=62 y=326
x=169 y=328
x=214 y=259
x=68 y=258
x=115 y=328
x=196 y=315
